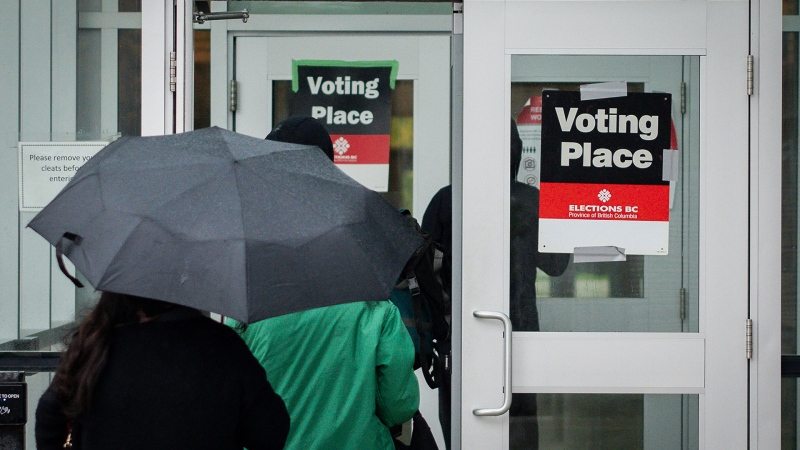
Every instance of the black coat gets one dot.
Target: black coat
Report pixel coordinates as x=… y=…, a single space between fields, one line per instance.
x=525 y=257
x=177 y=383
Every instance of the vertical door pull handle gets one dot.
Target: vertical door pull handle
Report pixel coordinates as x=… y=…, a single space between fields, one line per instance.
x=507 y=366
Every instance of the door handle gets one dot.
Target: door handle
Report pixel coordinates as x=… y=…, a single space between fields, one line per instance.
x=507 y=365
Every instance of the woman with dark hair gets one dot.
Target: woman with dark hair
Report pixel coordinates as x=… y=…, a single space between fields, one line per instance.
x=141 y=373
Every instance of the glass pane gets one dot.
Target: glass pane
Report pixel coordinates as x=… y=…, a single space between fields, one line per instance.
x=202 y=79
x=790 y=7
x=603 y=421
x=789 y=230
x=76 y=82
x=130 y=5
x=645 y=292
x=401 y=147
x=129 y=83
x=90 y=91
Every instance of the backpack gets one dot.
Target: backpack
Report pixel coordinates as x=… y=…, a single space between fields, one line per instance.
x=423 y=297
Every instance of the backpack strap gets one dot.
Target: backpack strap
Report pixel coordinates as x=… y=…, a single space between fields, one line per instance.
x=428 y=360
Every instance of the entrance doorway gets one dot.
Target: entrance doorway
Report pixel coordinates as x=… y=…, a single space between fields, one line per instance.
x=640 y=353
x=250 y=72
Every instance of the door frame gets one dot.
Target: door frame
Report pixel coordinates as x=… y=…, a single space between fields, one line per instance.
x=765 y=218
x=167 y=67
x=157 y=44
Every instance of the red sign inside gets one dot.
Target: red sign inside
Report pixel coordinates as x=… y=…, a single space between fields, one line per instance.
x=360 y=148
x=604 y=202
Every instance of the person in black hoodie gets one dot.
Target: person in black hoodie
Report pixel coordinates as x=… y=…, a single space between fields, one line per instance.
x=141 y=373
x=303 y=130
x=525 y=259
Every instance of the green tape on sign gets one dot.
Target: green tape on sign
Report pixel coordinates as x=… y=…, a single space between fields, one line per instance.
x=393 y=64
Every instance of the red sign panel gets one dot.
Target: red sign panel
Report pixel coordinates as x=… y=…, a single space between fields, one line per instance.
x=360 y=148
x=603 y=202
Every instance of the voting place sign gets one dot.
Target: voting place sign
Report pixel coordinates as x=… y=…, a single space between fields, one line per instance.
x=353 y=100
x=602 y=172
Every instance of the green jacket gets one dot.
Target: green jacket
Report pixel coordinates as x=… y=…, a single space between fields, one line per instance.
x=345 y=373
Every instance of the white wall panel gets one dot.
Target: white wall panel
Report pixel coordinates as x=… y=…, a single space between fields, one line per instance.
x=9 y=178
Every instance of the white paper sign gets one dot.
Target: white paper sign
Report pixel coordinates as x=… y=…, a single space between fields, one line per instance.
x=46 y=167
x=529 y=125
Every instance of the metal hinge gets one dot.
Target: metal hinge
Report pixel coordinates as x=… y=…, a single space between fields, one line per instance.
x=749 y=74
x=683 y=98
x=233 y=96
x=749 y=339
x=683 y=304
x=458 y=18
x=173 y=71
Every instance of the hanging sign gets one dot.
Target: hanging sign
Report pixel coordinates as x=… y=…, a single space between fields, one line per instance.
x=353 y=100
x=603 y=180
x=529 y=125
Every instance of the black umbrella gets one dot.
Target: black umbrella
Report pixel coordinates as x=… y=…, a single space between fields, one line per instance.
x=212 y=219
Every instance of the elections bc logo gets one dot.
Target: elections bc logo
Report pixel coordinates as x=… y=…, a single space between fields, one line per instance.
x=341 y=146
x=604 y=195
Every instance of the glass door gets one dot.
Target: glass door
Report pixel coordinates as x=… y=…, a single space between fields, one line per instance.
x=248 y=67
x=627 y=324
x=579 y=294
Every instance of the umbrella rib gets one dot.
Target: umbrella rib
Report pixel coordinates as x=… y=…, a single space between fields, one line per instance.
x=260 y=176
x=197 y=187
x=142 y=218
x=241 y=221
x=105 y=277
x=347 y=181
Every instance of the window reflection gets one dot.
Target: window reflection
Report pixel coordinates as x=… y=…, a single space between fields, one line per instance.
x=129 y=83
x=607 y=421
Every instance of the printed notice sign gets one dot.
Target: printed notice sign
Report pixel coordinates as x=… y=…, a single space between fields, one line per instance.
x=353 y=100
x=602 y=181
x=46 y=167
x=529 y=124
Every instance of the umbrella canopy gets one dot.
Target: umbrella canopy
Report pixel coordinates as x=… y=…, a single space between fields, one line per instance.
x=223 y=222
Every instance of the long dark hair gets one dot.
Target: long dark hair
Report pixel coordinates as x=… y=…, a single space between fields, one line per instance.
x=87 y=351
